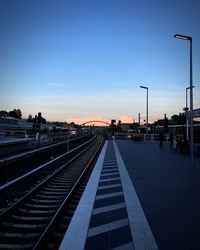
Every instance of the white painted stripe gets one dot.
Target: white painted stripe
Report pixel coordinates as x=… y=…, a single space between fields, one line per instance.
x=110 y=195
x=109 y=174
x=109 y=186
x=142 y=235
x=110 y=179
x=110 y=162
x=108 y=208
x=107 y=227
x=113 y=164
x=80 y=221
x=111 y=159
x=127 y=246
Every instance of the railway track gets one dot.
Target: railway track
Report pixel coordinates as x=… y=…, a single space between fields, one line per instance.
x=14 y=188
x=28 y=223
x=14 y=166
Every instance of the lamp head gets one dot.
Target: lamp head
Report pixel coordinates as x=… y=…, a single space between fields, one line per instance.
x=189 y=87
x=183 y=37
x=143 y=87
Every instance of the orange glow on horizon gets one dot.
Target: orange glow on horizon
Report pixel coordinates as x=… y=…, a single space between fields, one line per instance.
x=126 y=119
x=82 y=120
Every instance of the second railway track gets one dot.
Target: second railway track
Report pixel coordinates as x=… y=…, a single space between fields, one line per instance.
x=13 y=189
x=27 y=222
x=14 y=166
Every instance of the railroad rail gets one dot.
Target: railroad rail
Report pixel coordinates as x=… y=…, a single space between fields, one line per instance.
x=26 y=224
x=15 y=188
x=17 y=165
x=72 y=140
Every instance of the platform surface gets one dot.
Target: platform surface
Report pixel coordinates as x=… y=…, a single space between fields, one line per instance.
x=140 y=196
x=168 y=187
x=10 y=141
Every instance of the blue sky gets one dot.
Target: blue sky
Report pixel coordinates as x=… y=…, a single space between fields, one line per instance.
x=77 y=60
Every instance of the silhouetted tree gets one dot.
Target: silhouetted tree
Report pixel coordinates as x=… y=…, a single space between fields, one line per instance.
x=178 y=119
x=16 y=113
x=159 y=122
x=72 y=124
x=4 y=113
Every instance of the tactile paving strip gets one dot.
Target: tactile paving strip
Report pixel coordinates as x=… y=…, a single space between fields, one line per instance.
x=109 y=226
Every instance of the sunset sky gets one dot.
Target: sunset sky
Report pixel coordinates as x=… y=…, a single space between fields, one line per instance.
x=79 y=60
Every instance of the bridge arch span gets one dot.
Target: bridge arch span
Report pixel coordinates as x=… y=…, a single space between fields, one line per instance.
x=83 y=124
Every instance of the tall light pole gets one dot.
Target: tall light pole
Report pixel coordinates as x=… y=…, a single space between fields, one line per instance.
x=139 y=120
x=186 y=112
x=189 y=38
x=146 y=110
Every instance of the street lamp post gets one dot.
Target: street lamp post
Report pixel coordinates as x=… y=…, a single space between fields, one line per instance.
x=146 y=110
x=186 y=112
x=189 y=38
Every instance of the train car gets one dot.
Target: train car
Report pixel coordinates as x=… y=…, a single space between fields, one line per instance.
x=11 y=123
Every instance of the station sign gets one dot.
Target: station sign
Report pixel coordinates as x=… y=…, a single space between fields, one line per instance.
x=196 y=113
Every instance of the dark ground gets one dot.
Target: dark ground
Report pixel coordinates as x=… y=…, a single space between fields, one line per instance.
x=168 y=187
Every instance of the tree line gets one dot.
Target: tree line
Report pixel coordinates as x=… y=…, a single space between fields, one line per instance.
x=15 y=113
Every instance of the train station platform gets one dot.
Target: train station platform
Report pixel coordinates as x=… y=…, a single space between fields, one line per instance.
x=11 y=145
x=140 y=196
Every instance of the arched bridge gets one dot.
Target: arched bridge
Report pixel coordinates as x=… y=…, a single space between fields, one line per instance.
x=107 y=123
